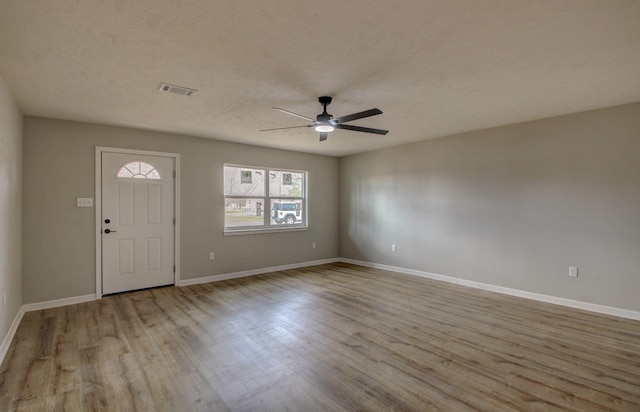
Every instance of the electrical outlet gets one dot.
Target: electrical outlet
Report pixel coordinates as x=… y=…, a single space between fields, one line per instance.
x=573 y=271
x=394 y=248
x=212 y=256
x=4 y=299
x=313 y=245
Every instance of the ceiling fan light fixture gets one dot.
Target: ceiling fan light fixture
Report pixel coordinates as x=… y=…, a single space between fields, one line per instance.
x=324 y=128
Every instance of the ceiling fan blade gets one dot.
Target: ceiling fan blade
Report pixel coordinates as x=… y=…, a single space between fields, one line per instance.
x=294 y=114
x=361 y=129
x=356 y=116
x=282 y=128
x=323 y=136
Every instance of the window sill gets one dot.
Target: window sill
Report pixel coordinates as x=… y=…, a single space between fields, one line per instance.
x=254 y=231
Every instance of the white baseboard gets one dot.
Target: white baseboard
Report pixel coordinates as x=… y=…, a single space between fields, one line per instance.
x=253 y=272
x=576 y=304
x=10 y=334
x=608 y=310
x=30 y=307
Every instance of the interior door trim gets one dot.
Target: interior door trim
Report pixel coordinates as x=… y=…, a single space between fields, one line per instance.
x=98 y=208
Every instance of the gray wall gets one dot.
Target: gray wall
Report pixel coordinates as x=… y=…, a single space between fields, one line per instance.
x=512 y=206
x=59 y=240
x=10 y=208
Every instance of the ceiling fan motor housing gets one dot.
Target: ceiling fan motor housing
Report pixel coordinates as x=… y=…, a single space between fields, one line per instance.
x=324 y=117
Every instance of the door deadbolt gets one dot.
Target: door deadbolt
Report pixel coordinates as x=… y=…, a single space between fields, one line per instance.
x=107 y=221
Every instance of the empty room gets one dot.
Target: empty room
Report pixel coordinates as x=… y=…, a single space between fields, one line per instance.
x=304 y=206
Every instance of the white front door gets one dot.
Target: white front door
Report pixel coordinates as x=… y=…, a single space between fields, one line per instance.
x=137 y=222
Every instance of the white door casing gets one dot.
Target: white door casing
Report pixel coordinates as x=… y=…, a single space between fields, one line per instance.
x=136 y=222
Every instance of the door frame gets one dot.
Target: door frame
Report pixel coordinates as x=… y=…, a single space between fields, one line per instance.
x=98 y=207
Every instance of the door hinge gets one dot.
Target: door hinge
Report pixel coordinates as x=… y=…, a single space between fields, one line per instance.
x=174 y=269
x=174 y=174
x=174 y=221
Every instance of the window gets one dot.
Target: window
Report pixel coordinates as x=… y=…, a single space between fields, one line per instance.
x=138 y=170
x=260 y=198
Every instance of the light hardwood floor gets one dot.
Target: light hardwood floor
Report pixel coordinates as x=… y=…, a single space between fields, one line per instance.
x=333 y=337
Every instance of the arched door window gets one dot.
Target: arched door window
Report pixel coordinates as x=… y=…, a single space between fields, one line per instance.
x=138 y=170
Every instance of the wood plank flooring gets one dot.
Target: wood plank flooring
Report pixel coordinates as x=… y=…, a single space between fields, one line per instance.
x=334 y=337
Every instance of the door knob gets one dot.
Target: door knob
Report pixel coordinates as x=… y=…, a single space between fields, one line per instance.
x=109 y=231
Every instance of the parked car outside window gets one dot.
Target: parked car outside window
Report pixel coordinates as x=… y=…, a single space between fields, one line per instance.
x=286 y=212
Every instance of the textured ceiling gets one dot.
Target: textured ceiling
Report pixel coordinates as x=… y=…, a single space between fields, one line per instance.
x=433 y=67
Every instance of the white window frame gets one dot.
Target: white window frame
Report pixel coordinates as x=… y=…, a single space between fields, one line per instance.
x=267 y=226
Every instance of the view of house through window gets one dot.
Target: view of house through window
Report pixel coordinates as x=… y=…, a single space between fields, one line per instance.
x=258 y=198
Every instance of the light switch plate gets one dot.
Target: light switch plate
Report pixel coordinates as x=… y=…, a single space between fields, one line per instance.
x=84 y=202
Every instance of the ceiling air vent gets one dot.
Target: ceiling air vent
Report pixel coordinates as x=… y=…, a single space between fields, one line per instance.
x=185 y=91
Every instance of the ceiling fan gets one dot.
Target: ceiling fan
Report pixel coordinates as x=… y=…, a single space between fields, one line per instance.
x=326 y=123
